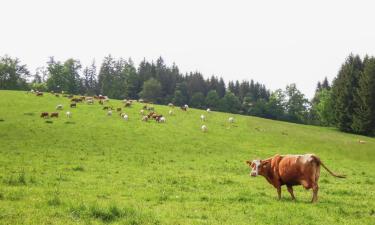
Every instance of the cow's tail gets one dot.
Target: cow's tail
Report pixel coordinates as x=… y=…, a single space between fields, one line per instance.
x=325 y=167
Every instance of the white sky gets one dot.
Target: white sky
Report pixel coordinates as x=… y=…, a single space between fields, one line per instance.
x=273 y=42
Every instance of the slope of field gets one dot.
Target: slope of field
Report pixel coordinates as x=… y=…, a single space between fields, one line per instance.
x=94 y=169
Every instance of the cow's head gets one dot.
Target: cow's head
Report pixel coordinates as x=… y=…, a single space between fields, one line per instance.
x=258 y=167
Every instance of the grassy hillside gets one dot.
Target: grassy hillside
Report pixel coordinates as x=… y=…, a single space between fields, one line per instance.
x=94 y=169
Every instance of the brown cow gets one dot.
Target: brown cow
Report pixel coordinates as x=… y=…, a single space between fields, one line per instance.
x=118 y=109
x=183 y=108
x=55 y=114
x=39 y=93
x=291 y=170
x=73 y=105
x=44 y=115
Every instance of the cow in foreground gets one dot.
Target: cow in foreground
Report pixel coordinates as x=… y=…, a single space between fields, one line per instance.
x=291 y=170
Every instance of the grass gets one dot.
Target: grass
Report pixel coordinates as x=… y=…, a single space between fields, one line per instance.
x=94 y=169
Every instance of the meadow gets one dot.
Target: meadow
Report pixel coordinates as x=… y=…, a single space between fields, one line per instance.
x=95 y=169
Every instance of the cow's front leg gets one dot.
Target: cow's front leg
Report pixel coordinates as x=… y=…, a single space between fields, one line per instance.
x=279 y=192
x=290 y=189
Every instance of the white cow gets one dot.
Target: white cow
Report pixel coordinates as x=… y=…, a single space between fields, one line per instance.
x=186 y=106
x=203 y=118
x=204 y=128
x=162 y=119
x=208 y=110
x=109 y=113
x=68 y=114
x=59 y=107
x=231 y=120
x=126 y=117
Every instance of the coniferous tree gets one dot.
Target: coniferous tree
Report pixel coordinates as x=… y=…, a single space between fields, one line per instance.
x=364 y=112
x=343 y=90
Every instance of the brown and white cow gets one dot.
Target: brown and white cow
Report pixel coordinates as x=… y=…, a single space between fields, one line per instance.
x=291 y=170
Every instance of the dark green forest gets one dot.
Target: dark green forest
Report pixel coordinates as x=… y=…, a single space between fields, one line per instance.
x=348 y=102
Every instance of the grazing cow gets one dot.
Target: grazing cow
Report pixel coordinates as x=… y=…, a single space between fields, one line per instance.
x=126 y=117
x=145 y=118
x=68 y=114
x=231 y=120
x=170 y=105
x=208 y=110
x=55 y=114
x=59 y=107
x=128 y=104
x=105 y=108
x=118 y=110
x=44 y=115
x=170 y=112
x=183 y=108
x=39 y=93
x=161 y=119
x=204 y=128
x=203 y=118
x=73 y=105
x=291 y=170
x=109 y=113
x=186 y=106
x=142 y=112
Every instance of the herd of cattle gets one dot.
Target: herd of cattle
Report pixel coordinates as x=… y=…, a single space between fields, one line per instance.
x=289 y=170
x=147 y=112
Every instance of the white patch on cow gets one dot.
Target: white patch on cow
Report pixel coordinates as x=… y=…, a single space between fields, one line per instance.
x=257 y=164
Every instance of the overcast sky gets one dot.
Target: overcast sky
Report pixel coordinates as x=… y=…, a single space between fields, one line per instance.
x=273 y=42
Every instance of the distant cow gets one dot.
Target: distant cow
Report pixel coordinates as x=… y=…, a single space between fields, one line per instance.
x=59 y=107
x=204 y=128
x=39 y=93
x=73 y=105
x=44 y=115
x=208 y=110
x=105 y=108
x=118 y=110
x=203 y=118
x=142 y=112
x=68 y=114
x=128 y=104
x=90 y=101
x=109 y=113
x=183 y=108
x=125 y=117
x=145 y=118
x=170 y=105
x=57 y=95
x=231 y=120
x=291 y=170
x=161 y=119
x=151 y=108
x=55 y=114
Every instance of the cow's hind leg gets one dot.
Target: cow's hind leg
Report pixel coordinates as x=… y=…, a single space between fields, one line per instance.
x=315 y=188
x=290 y=189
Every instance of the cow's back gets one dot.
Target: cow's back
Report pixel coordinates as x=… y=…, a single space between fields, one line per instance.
x=297 y=169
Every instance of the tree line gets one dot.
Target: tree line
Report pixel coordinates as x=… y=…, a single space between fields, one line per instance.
x=348 y=104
